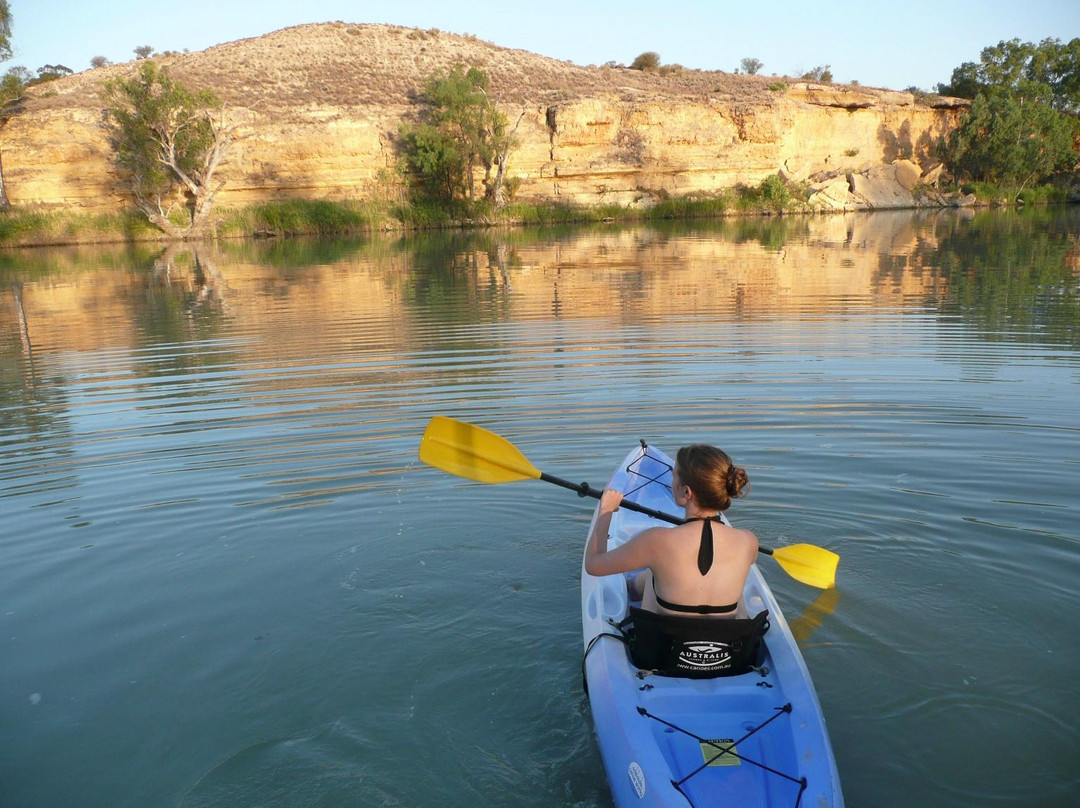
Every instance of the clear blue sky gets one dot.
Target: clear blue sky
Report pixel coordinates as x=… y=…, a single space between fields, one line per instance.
x=895 y=45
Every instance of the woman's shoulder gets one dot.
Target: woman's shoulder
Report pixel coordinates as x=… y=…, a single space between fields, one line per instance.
x=659 y=534
x=748 y=539
x=741 y=535
x=660 y=539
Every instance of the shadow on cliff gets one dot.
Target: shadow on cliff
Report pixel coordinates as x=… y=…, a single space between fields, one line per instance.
x=898 y=144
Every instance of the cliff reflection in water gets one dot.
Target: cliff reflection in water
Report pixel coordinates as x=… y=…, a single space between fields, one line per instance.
x=236 y=304
x=993 y=269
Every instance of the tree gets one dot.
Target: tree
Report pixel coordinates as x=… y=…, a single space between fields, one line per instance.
x=461 y=130
x=1010 y=140
x=11 y=86
x=99 y=61
x=1023 y=69
x=13 y=83
x=5 y=31
x=1003 y=65
x=822 y=73
x=433 y=156
x=52 y=72
x=650 y=60
x=1021 y=126
x=143 y=51
x=1059 y=66
x=169 y=142
x=496 y=186
x=751 y=65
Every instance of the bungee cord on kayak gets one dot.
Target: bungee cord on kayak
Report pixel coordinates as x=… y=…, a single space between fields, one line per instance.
x=729 y=748
x=647 y=479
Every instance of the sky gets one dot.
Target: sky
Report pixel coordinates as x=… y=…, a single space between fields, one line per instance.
x=911 y=43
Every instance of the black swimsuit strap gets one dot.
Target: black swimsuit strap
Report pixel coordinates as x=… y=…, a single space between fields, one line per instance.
x=678 y=607
x=705 y=548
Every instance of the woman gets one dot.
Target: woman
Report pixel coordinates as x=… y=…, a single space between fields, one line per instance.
x=698 y=568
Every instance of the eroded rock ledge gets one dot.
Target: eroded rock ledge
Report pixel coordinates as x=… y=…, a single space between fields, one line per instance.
x=901 y=184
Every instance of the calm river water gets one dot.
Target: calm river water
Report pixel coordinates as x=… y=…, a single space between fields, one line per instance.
x=225 y=579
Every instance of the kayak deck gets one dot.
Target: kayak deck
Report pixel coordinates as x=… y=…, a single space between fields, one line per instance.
x=757 y=739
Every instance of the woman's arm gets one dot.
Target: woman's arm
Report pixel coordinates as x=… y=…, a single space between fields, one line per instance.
x=631 y=555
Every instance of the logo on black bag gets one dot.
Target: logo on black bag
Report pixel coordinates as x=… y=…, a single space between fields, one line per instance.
x=705 y=654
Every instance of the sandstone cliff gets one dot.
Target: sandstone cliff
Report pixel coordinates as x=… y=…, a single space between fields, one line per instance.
x=320 y=106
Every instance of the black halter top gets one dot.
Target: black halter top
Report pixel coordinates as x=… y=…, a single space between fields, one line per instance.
x=704 y=562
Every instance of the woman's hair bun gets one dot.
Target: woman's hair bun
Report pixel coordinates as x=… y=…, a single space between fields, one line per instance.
x=736 y=480
x=711 y=475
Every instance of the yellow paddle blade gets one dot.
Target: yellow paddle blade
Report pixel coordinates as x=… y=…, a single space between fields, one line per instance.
x=812 y=565
x=473 y=452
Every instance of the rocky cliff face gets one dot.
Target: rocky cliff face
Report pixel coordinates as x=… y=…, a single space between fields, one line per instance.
x=615 y=150
x=320 y=106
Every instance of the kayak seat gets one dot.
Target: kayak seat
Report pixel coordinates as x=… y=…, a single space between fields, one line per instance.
x=694 y=647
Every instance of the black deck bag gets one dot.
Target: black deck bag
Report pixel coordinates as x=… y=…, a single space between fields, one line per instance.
x=694 y=647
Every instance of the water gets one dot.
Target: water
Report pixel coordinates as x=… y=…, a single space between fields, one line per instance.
x=226 y=579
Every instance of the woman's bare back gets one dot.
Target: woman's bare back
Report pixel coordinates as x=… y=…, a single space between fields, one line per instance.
x=675 y=569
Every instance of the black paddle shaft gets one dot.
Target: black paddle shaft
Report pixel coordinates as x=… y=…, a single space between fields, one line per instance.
x=586 y=490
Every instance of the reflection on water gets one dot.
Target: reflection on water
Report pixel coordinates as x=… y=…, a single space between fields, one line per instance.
x=224 y=569
x=998 y=269
x=814 y=614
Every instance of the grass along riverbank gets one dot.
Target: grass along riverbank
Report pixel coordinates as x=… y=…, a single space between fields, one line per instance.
x=21 y=228
x=32 y=228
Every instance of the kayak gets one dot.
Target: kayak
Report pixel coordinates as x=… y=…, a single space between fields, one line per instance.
x=752 y=739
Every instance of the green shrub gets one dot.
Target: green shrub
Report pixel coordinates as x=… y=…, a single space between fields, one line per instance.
x=295 y=216
x=1043 y=195
x=422 y=214
x=511 y=185
x=772 y=194
x=689 y=208
x=821 y=73
x=544 y=213
x=39 y=228
x=650 y=60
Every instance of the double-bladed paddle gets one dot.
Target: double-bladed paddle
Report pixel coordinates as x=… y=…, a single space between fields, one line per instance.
x=476 y=454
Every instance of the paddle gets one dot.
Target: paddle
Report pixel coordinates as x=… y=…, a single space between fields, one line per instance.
x=477 y=454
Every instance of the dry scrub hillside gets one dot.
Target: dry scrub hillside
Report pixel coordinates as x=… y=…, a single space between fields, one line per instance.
x=343 y=65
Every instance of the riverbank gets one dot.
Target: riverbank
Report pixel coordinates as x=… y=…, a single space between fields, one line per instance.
x=302 y=217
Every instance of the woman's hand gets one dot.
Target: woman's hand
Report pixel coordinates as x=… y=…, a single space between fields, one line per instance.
x=610 y=500
x=633 y=554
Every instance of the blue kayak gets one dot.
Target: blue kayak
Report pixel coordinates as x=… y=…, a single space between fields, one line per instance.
x=754 y=739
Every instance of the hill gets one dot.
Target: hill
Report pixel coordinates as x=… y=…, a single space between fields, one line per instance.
x=345 y=65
